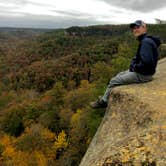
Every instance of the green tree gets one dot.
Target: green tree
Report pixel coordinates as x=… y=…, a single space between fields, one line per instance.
x=12 y=122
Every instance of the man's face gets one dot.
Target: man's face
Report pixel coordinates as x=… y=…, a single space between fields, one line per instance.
x=139 y=30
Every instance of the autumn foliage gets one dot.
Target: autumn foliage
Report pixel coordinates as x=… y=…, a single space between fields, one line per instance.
x=47 y=80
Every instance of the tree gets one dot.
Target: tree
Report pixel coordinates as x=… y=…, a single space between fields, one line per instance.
x=12 y=122
x=80 y=97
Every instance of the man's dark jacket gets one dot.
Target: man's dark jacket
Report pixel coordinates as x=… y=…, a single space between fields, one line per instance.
x=145 y=60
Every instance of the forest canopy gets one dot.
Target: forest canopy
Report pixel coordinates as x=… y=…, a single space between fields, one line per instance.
x=47 y=79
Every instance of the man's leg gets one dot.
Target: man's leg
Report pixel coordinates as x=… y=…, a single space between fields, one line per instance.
x=122 y=78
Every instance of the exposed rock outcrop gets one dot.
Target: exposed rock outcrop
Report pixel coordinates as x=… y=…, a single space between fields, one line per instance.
x=133 y=130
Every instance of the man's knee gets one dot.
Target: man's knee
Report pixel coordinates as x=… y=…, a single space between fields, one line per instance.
x=125 y=78
x=115 y=81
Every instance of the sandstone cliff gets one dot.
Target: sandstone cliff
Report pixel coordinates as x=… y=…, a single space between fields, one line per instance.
x=133 y=130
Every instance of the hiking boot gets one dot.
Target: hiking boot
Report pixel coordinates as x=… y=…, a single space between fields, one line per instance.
x=98 y=104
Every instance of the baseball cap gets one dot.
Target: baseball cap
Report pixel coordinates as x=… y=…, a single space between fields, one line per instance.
x=137 y=23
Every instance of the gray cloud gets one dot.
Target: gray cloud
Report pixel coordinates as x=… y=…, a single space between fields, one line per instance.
x=69 y=13
x=43 y=21
x=11 y=18
x=21 y=2
x=138 y=5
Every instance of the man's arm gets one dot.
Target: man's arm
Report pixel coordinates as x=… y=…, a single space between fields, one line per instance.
x=146 y=60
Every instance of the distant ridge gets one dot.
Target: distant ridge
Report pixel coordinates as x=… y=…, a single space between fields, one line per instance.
x=11 y=29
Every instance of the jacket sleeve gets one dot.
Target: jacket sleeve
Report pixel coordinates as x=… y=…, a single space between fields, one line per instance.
x=132 y=64
x=146 y=57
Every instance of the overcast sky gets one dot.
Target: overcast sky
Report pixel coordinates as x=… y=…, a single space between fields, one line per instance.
x=66 y=13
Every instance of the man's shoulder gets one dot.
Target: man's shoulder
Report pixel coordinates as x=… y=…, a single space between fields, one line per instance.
x=152 y=40
x=148 y=40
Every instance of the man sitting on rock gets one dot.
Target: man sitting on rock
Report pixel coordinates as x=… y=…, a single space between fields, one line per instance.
x=142 y=66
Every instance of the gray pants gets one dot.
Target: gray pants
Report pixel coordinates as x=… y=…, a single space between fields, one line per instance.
x=124 y=78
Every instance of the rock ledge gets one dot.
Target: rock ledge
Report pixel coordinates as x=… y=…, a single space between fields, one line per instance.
x=133 y=130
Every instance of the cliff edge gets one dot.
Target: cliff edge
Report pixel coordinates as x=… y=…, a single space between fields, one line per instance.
x=133 y=130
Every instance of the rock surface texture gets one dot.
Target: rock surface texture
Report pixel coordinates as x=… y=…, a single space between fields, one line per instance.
x=133 y=130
